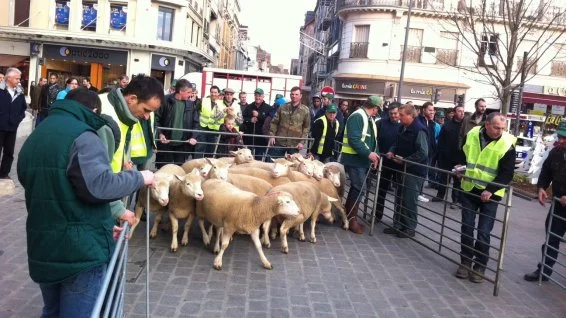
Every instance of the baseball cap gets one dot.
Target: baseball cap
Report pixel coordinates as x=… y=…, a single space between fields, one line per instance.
x=280 y=101
x=278 y=96
x=329 y=96
x=375 y=101
x=258 y=91
x=439 y=114
x=561 y=131
x=331 y=108
x=229 y=90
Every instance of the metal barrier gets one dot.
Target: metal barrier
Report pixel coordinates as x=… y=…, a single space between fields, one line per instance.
x=439 y=231
x=110 y=300
x=551 y=246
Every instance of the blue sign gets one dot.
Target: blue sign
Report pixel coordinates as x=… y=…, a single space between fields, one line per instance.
x=118 y=17
x=89 y=16
x=62 y=13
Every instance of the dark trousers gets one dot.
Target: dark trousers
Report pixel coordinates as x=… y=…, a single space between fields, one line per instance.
x=558 y=229
x=388 y=176
x=406 y=218
x=477 y=251
x=444 y=181
x=277 y=152
x=176 y=154
x=7 y=145
x=39 y=118
x=206 y=145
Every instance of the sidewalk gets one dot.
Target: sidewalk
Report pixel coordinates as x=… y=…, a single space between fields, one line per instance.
x=342 y=275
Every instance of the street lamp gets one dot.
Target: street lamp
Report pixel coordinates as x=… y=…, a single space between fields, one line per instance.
x=402 y=75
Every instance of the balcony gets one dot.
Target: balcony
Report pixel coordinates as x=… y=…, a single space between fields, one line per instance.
x=446 y=57
x=432 y=5
x=413 y=54
x=359 y=50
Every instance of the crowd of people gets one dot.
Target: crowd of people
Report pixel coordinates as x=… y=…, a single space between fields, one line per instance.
x=100 y=145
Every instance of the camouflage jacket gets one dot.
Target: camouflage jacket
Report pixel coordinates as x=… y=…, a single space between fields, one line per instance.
x=290 y=122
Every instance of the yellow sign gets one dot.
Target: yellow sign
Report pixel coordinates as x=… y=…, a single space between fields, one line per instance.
x=559 y=91
x=553 y=120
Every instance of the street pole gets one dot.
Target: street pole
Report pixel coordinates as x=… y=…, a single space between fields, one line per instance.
x=521 y=87
x=402 y=75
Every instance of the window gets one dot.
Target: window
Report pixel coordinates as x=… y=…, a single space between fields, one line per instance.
x=21 y=13
x=118 y=17
x=359 y=47
x=489 y=49
x=192 y=30
x=165 y=24
x=62 y=14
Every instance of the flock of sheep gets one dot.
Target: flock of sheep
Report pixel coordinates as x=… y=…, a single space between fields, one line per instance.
x=239 y=195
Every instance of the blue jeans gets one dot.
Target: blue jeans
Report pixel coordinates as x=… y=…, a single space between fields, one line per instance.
x=357 y=176
x=74 y=297
x=477 y=251
x=205 y=150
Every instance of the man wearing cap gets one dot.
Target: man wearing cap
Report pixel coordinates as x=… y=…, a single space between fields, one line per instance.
x=327 y=99
x=324 y=131
x=359 y=152
x=488 y=153
x=254 y=117
x=291 y=120
x=278 y=97
x=316 y=104
x=553 y=172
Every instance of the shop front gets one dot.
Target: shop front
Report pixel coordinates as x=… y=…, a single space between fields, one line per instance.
x=163 y=68
x=420 y=94
x=102 y=66
x=356 y=90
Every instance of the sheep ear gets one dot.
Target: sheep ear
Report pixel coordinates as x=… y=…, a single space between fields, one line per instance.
x=273 y=160
x=208 y=160
x=180 y=178
x=288 y=156
x=234 y=153
x=195 y=171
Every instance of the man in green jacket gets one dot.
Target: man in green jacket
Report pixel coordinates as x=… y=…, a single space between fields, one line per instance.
x=65 y=171
x=359 y=152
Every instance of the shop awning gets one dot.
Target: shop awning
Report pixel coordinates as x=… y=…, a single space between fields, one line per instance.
x=533 y=98
x=406 y=80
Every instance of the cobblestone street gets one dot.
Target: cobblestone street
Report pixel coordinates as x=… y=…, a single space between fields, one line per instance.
x=342 y=275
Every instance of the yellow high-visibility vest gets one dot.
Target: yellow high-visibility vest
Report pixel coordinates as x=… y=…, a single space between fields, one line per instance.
x=482 y=164
x=138 y=146
x=346 y=148
x=205 y=118
x=324 y=130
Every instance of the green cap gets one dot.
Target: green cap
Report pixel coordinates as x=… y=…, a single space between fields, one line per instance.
x=258 y=91
x=439 y=114
x=375 y=101
x=174 y=82
x=331 y=108
x=278 y=96
x=329 y=96
x=561 y=131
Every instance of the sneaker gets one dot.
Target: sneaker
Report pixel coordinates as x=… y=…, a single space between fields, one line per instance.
x=463 y=271
x=453 y=206
x=422 y=198
x=476 y=276
x=534 y=276
x=406 y=233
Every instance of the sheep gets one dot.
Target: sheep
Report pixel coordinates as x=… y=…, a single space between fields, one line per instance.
x=259 y=173
x=203 y=164
x=243 y=155
x=218 y=169
x=258 y=164
x=335 y=172
x=311 y=203
x=159 y=196
x=235 y=210
x=182 y=204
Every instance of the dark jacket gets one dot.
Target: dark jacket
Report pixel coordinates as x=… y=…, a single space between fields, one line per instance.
x=429 y=124
x=316 y=133
x=468 y=123
x=35 y=97
x=387 y=132
x=64 y=169
x=48 y=96
x=165 y=114
x=449 y=143
x=12 y=111
x=228 y=142
x=412 y=145
x=363 y=148
x=554 y=171
x=249 y=128
x=339 y=118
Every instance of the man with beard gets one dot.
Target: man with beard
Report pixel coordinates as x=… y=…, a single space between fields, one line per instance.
x=553 y=172
x=473 y=120
x=254 y=117
x=48 y=97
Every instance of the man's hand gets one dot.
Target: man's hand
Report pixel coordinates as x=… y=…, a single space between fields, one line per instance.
x=255 y=113
x=147 y=177
x=389 y=155
x=542 y=196
x=163 y=139
x=241 y=133
x=254 y=120
x=271 y=141
x=300 y=146
x=485 y=196
x=192 y=141
x=563 y=200
x=459 y=171
x=374 y=158
x=116 y=232
x=129 y=217
x=128 y=165
x=230 y=110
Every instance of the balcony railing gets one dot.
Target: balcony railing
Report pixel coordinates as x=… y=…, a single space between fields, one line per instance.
x=359 y=50
x=558 y=68
x=413 y=54
x=417 y=4
x=446 y=57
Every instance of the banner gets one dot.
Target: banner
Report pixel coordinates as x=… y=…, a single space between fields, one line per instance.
x=62 y=13
x=118 y=17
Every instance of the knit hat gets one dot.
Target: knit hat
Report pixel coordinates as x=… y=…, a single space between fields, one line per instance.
x=280 y=101
x=329 y=96
x=561 y=130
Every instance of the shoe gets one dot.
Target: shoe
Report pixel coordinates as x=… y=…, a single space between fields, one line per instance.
x=352 y=213
x=453 y=206
x=437 y=199
x=422 y=198
x=390 y=230
x=476 y=276
x=534 y=277
x=406 y=233
x=463 y=271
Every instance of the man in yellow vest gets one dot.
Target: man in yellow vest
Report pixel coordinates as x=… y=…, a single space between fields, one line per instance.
x=324 y=131
x=488 y=155
x=208 y=123
x=359 y=152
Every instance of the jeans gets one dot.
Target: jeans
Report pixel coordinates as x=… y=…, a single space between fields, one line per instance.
x=7 y=145
x=357 y=177
x=410 y=188
x=477 y=251
x=205 y=150
x=74 y=297
x=558 y=228
x=444 y=181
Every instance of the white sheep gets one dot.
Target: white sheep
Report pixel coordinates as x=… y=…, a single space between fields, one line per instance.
x=218 y=169
x=235 y=210
x=242 y=155
x=258 y=164
x=336 y=173
x=159 y=196
x=259 y=173
x=202 y=164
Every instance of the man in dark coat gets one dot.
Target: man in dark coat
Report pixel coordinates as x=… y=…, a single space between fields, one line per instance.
x=254 y=117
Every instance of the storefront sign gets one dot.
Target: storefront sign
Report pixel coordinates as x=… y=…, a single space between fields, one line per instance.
x=361 y=87
x=426 y=93
x=85 y=54
x=162 y=63
x=557 y=110
x=553 y=119
x=559 y=91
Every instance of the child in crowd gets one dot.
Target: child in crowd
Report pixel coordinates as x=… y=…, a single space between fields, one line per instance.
x=229 y=142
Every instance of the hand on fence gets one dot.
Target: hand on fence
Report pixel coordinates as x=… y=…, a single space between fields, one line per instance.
x=374 y=158
x=459 y=170
x=163 y=139
x=129 y=217
x=116 y=232
x=542 y=196
x=485 y=196
x=147 y=177
x=272 y=141
x=192 y=141
x=300 y=146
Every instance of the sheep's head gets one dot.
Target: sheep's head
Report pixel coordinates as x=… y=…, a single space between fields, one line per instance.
x=333 y=174
x=160 y=188
x=192 y=184
x=218 y=170
x=243 y=155
x=286 y=205
x=294 y=157
x=281 y=167
x=318 y=169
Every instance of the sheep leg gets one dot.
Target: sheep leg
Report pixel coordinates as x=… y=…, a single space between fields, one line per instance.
x=175 y=230
x=314 y=217
x=273 y=233
x=138 y=213
x=343 y=215
x=190 y=219
x=205 y=237
x=153 y=233
x=283 y=233
x=265 y=238
x=301 y=233
x=210 y=231
x=257 y=243
x=226 y=235
x=217 y=243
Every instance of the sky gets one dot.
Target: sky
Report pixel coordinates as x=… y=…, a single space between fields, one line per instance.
x=274 y=24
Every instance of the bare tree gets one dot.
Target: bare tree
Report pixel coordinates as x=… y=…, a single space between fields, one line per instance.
x=499 y=31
